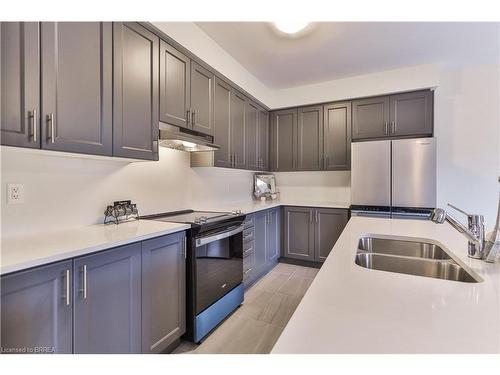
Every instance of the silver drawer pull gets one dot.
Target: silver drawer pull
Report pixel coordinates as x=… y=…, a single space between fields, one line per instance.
x=247 y=251
x=248 y=270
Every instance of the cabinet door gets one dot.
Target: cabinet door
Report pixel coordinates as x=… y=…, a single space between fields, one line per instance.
x=135 y=110
x=107 y=291
x=263 y=140
x=37 y=310
x=175 y=86
x=310 y=138
x=238 y=126
x=252 y=136
x=283 y=138
x=299 y=233
x=202 y=85
x=222 y=123
x=77 y=86
x=273 y=237
x=370 y=118
x=163 y=291
x=329 y=225
x=260 y=241
x=412 y=113
x=20 y=84
x=337 y=136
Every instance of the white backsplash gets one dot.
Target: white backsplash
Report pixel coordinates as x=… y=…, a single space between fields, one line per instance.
x=62 y=192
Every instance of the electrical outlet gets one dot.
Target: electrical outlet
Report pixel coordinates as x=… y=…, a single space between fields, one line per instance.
x=15 y=193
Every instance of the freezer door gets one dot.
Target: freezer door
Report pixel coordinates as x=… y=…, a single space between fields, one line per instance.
x=371 y=173
x=414 y=173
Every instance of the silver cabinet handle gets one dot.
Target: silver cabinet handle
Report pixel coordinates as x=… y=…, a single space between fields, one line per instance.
x=248 y=250
x=68 y=286
x=393 y=127
x=188 y=115
x=248 y=270
x=193 y=118
x=316 y=215
x=35 y=125
x=386 y=128
x=50 y=118
x=310 y=216
x=84 y=288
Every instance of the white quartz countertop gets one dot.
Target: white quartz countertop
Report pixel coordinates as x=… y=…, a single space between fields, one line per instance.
x=350 y=309
x=249 y=207
x=22 y=252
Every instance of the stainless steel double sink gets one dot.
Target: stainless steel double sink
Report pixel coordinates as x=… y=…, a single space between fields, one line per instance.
x=410 y=257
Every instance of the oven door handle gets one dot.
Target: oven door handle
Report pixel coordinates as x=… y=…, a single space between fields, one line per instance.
x=219 y=236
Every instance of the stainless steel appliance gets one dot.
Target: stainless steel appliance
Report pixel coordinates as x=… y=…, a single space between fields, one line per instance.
x=214 y=274
x=394 y=178
x=185 y=139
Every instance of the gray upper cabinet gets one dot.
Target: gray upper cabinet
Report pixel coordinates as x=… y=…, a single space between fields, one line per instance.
x=107 y=304
x=299 y=233
x=337 y=136
x=411 y=114
x=76 y=87
x=273 y=235
x=370 y=118
x=222 y=123
x=202 y=103
x=283 y=140
x=175 y=86
x=309 y=139
x=163 y=292
x=20 y=84
x=263 y=140
x=238 y=126
x=37 y=309
x=252 y=136
x=136 y=78
x=329 y=225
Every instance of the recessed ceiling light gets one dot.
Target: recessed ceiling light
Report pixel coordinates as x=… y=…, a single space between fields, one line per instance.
x=290 y=26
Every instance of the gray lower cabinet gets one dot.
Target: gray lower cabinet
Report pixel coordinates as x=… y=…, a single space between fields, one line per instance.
x=77 y=87
x=310 y=233
x=329 y=224
x=370 y=118
x=175 y=86
x=135 y=99
x=411 y=114
x=337 y=136
x=283 y=140
x=163 y=291
x=273 y=235
x=37 y=310
x=309 y=139
x=222 y=123
x=298 y=233
x=20 y=84
x=202 y=86
x=107 y=306
x=260 y=241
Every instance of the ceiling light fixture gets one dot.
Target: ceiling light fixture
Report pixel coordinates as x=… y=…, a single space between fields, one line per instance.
x=290 y=26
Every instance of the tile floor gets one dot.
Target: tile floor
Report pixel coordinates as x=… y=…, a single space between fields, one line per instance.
x=257 y=324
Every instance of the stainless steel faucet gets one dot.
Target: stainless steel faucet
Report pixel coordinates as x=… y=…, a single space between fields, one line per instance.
x=479 y=248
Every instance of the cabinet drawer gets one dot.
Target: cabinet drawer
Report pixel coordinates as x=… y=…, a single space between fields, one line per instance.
x=249 y=221
x=248 y=248
x=248 y=266
x=248 y=235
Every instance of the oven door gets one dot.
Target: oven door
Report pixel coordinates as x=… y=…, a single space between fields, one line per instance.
x=219 y=264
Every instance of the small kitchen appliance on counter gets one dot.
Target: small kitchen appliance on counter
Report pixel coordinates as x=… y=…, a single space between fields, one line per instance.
x=214 y=263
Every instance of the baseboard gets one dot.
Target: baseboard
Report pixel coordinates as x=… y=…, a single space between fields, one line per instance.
x=300 y=262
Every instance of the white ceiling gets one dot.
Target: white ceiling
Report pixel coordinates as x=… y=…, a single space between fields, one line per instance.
x=333 y=50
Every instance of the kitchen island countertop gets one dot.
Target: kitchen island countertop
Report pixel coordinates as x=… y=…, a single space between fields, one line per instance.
x=351 y=309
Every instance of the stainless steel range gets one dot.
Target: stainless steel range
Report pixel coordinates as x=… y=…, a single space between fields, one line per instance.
x=214 y=267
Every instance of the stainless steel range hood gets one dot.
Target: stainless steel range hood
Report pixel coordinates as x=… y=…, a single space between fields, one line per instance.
x=185 y=139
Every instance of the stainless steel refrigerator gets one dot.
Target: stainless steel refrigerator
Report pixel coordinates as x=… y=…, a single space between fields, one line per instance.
x=393 y=178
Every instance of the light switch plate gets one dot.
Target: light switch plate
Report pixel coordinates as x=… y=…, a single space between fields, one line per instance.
x=15 y=193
